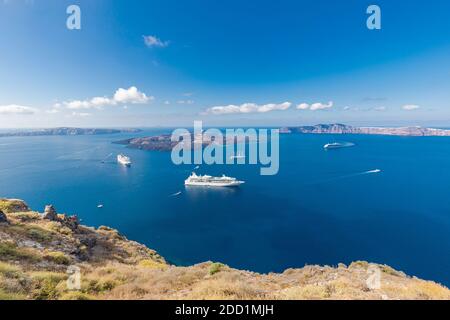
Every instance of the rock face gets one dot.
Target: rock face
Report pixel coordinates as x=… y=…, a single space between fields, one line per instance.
x=50 y=213
x=66 y=132
x=13 y=205
x=338 y=128
x=3 y=218
x=71 y=222
x=191 y=141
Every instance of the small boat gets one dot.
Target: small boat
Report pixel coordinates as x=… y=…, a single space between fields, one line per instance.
x=100 y=206
x=224 y=181
x=124 y=160
x=238 y=156
x=374 y=171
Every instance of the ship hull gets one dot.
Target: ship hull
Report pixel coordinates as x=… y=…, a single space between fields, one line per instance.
x=217 y=184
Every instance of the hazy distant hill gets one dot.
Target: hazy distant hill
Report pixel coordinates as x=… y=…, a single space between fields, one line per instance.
x=338 y=128
x=64 y=131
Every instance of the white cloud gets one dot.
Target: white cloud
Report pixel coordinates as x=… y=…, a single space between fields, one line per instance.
x=410 y=107
x=130 y=95
x=167 y=102
x=52 y=111
x=81 y=114
x=381 y=108
x=315 y=106
x=247 y=108
x=14 y=109
x=121 y=96
x=153 y=41
x=185 y=101
x=303 y=106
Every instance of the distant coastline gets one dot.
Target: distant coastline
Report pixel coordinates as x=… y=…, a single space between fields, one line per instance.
x=338 y=128
x=65 y=131
x=163 y=142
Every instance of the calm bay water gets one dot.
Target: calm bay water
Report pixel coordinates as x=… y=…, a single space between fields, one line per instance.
x=323 y=207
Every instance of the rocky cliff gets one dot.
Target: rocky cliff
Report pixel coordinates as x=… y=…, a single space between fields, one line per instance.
x=39 y=253
x=338 y=128
x=65 y=132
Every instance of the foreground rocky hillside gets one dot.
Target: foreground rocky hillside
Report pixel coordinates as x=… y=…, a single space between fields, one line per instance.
x=37 y=250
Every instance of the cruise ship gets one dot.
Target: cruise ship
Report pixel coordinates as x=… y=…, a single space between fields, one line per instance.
x=124 y=160
x=224 y=181
x=337 y=145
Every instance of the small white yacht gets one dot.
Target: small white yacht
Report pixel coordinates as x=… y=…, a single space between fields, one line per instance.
x=238 y=156
x=224 y=181
x=124 y=160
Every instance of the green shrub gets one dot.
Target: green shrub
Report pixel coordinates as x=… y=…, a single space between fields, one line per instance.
x=57 y=257
x=99 y=286
x=39 y=234
x=33 y=232
x=76 y=295
x=59 y=228
x=11 y=296
x=46 y=285
x=10 y=251
x=152 y=264
x=215 y=268
x=9 y=271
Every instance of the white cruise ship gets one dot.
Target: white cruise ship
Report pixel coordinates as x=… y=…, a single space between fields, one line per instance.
x=224 y=181
x=124 y=160
x=337 y=145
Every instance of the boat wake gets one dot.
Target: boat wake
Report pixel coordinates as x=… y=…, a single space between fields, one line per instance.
x=352 y=175
x=372 y=171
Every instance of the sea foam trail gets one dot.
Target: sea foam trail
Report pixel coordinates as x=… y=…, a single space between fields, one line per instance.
x=374 y=171
x=359 y=174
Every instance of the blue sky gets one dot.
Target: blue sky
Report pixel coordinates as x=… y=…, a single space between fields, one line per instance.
x=230 y=63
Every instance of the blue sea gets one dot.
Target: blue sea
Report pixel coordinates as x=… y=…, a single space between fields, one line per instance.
x=323 y=207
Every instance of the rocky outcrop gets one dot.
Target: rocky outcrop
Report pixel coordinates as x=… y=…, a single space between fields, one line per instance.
x=190 y=141
x=50 y=213
x=3 y=218
x=13 y=205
